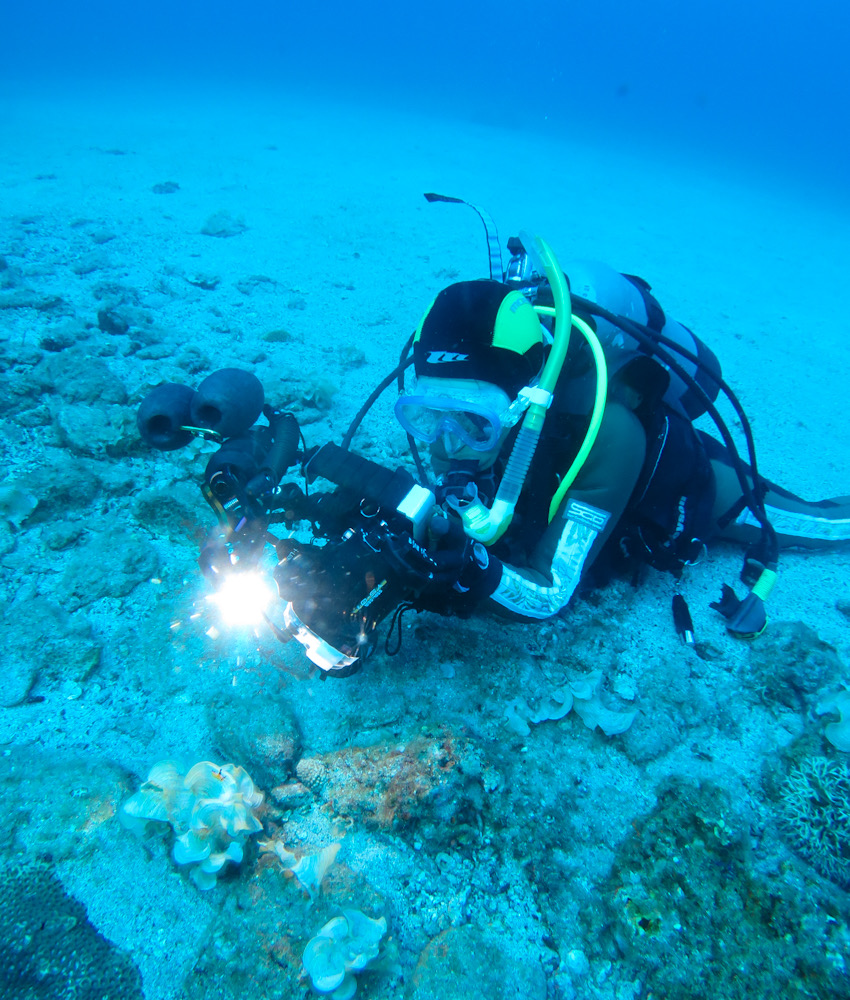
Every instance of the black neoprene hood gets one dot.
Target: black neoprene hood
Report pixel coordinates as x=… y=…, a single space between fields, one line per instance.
x=456 y=338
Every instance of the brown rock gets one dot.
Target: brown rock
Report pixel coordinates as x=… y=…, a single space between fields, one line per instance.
x=261 y=734
x=464 y=962
x=383 y=784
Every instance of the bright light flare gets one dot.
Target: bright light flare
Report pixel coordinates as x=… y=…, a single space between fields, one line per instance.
x=242 y=598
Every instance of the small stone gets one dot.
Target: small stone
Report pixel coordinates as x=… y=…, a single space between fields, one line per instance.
x=223 y=225
x=111 y=322
x=207 y=282
x=19 y=675
x=576 y=962
x=89 y=263
x=277 y=336
x=292 y=795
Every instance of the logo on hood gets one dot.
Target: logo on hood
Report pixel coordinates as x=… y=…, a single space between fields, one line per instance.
x=444 y=357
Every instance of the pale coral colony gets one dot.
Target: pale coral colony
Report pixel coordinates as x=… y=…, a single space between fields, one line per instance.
x=212 y=809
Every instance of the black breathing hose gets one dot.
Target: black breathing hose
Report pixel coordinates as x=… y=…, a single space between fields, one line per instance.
x=373 y=395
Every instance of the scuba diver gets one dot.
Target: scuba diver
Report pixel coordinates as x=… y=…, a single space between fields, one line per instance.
x=652 y=490
x=558 y=411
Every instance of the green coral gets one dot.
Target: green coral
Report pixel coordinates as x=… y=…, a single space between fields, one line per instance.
x=684 y=906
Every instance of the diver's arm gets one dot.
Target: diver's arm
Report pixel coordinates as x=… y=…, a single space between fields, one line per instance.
x=585 y=519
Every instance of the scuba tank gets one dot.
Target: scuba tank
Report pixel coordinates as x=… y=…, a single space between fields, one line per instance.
x=630 y=297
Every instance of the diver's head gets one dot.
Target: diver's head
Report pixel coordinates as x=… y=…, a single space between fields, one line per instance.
x=478 y=345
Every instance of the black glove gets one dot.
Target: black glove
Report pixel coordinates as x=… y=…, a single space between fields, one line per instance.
x=451 y=577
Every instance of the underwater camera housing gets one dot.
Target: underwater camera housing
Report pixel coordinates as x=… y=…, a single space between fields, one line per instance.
x=337 y=588
x=336 y=594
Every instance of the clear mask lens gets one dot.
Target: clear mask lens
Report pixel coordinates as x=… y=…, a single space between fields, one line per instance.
x=429 y=418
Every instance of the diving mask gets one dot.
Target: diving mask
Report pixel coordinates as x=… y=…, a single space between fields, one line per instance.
x=461 y=412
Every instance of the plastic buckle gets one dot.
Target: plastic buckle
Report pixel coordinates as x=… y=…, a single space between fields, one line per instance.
x=701 y=551
x=534 y=394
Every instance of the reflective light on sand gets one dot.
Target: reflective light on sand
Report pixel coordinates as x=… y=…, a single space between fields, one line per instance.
x=242 y=598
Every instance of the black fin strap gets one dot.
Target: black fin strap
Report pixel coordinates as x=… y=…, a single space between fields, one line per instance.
x=737 y=507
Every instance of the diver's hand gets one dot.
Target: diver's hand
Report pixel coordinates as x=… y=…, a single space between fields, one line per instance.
x=420 y=567
x=477 y=580
x=450 y=577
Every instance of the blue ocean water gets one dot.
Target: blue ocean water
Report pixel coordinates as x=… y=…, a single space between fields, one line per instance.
x=756 y=81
